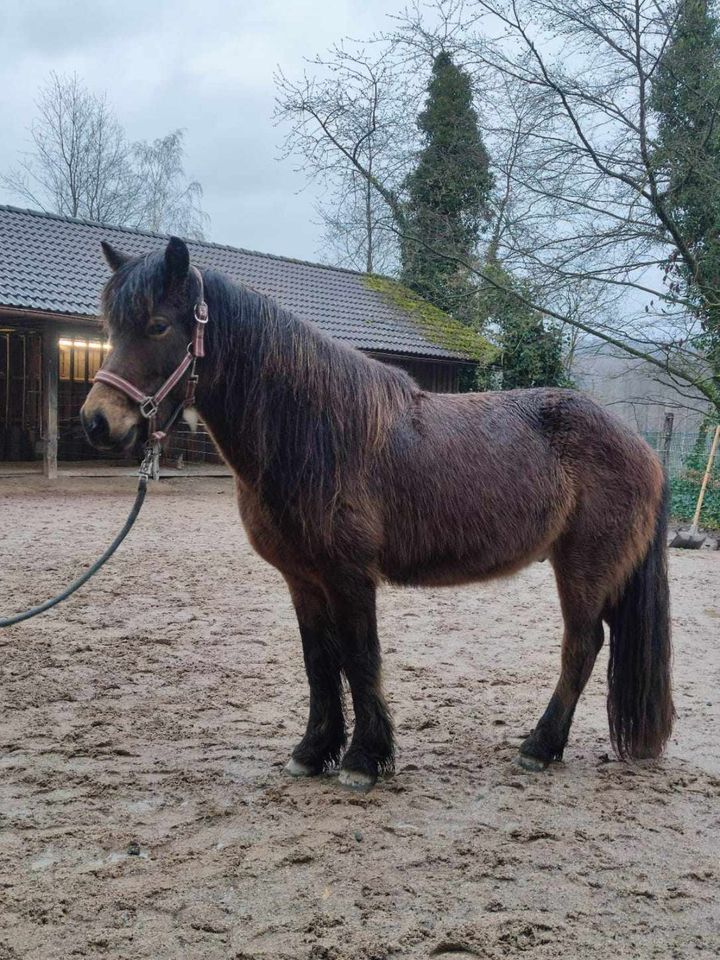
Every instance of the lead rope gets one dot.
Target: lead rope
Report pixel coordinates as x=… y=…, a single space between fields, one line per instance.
x=150 y=466
x=146 y=472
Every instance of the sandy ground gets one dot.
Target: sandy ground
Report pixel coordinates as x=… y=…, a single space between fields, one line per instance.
x=144 y=725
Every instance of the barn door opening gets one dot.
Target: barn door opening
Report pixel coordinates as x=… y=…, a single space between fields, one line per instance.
x=20 y=394
x=78 y=362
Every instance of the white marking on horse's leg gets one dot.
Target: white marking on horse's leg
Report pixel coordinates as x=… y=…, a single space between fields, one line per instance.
x=355 y=780
x=297 y=769
x=531 y=764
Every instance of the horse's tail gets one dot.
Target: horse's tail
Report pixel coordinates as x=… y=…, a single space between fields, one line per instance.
x=640 y=706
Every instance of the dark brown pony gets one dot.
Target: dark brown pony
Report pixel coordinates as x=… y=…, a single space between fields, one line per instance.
x=349 y=475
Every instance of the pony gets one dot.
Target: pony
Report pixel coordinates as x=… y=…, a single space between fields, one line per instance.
x=349 y=475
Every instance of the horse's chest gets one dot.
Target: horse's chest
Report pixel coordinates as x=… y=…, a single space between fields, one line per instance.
x=265 y=534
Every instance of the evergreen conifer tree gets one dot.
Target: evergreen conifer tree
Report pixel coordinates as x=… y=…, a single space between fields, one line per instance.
x=686 y=99
x=448 y=194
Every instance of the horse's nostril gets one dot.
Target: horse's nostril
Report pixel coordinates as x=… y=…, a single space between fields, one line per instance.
x=96 y=428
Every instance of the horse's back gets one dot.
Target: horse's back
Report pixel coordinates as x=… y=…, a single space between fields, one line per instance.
x=476 y=485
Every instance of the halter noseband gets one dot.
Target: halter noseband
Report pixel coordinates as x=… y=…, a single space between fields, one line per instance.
x=149 y=404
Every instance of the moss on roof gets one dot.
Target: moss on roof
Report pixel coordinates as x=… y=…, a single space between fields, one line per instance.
x=439 y=327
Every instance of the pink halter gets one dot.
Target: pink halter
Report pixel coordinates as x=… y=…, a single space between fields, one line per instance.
x=149 y=404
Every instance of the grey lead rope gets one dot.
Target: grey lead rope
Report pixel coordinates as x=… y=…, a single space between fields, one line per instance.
x=148 y=469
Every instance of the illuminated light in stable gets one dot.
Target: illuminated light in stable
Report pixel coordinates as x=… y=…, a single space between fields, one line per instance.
x=84 y=344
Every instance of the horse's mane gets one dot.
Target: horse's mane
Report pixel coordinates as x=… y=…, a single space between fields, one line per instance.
x=315 y=410
x=310 y=411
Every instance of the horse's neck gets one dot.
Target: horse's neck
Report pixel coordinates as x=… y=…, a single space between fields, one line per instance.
x=285 y=398
x=256 y=386
x=220 y=398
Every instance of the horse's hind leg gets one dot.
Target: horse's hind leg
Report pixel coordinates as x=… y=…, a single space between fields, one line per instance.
x=583 y=637
x=324 y=737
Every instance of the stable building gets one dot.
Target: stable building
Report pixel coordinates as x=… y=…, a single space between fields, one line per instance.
x=51 y=341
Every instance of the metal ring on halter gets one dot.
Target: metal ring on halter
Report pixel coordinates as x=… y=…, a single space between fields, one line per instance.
x=149 y=408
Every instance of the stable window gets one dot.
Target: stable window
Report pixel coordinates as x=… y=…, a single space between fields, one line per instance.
x=80 y=360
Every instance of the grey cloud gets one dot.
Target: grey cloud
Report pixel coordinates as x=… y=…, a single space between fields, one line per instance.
x=204 y=67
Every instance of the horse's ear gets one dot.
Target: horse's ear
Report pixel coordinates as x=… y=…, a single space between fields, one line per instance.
x=114 y=258
x=177 y=261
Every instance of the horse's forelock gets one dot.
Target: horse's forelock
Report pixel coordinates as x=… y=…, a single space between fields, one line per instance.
x=132 y=293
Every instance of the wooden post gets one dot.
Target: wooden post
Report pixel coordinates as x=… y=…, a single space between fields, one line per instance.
x=666 y=440
x=51 y=365
x=706 y=477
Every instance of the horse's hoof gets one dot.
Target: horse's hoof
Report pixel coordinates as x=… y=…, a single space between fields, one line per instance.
x=531 y=764
x=297 y=769
x=356 y=780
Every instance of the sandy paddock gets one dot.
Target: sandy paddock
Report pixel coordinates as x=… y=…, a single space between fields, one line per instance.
x=144 y=725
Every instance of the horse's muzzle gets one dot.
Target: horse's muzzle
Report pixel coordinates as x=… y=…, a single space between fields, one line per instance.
x=96 y=428
x=97 y=431
x=109 y=421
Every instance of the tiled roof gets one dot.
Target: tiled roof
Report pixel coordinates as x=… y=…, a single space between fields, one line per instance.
x=54 y=264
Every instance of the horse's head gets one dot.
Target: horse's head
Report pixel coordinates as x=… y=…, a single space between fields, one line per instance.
x=148 y=308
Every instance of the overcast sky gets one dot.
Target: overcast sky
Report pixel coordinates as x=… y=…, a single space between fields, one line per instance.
x=205 y=66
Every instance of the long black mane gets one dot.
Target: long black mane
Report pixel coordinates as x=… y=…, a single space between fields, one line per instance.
x=310 y=410
x=304 y=412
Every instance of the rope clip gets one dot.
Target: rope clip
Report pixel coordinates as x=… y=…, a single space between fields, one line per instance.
x=150 y=466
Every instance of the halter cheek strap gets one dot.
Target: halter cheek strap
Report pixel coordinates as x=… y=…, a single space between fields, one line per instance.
x=150 y=403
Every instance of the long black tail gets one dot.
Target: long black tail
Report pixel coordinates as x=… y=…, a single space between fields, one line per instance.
x=640 y=706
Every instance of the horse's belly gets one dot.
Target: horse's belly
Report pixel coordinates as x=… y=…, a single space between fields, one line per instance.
x=444 y=566
x=474 y=537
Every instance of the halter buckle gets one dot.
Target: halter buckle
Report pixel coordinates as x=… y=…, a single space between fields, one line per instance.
x=201 y=312
x=148 y=408
x=192 y=382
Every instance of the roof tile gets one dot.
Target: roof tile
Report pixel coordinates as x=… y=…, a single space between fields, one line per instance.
x=55 y=264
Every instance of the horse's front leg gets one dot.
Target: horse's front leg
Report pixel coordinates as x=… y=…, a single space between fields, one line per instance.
x=371 y=750
x=325 y=737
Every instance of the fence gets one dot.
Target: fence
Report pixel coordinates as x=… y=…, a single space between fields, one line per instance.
x=685 y=456
x=681 y=446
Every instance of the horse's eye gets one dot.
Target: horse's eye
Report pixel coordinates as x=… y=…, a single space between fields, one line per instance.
x=157 y=328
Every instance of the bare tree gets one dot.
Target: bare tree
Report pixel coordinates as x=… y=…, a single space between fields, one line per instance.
x=82 y=165
x=81 y=162
x=589 y=201
x=356 y=228
x=581 y=206
x=351 y=125
x=166 y=200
